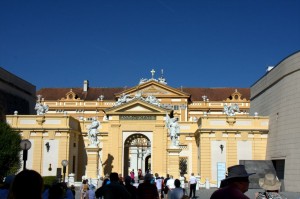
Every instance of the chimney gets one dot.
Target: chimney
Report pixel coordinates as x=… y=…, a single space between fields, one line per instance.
x=85 y=85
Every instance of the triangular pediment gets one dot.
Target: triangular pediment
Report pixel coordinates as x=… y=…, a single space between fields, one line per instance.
x=137 y=106
x=156 y=89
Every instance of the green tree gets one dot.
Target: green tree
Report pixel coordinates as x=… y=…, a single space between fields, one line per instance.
x=10 y=149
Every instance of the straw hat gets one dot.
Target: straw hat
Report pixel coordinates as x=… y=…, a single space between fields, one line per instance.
x=237 y=171
x=269 y=182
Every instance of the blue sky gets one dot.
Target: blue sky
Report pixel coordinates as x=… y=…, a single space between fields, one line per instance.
x=198 y=43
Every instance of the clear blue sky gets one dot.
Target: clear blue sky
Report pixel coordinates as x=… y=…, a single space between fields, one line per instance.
x=198 y=43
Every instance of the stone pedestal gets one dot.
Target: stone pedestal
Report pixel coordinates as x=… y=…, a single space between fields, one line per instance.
x=71 y=179
x=91 y=172
x=198 y=182
x=173 y=162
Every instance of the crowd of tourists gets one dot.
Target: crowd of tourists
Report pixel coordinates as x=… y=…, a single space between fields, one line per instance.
x=150 y=186
x=29 y=184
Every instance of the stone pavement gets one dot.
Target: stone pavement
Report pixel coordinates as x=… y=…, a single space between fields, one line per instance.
x=206 y=193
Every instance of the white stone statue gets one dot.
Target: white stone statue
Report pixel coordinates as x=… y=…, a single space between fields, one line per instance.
x=41 y=109
x=162 y=80
x=173 y=126
x=139 y=95
x=123 y=99
x=93 y=131
x=230 y=110
x=143 y=80
x=153 y=100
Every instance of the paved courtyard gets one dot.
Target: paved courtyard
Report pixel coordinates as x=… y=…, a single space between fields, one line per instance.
x=206 y=193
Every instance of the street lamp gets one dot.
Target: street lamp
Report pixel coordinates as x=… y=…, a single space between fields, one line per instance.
x=25 y=146
x=64 y=163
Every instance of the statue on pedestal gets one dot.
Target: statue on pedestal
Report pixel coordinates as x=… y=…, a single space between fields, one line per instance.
x=93 y=131
x=173 y=126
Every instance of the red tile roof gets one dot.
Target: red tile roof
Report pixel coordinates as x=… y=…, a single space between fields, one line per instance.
x=213 y=94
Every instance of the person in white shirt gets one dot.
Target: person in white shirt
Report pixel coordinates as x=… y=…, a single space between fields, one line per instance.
x=182 y=181
x=192 y=185
x=158 y=182
x=170 y=184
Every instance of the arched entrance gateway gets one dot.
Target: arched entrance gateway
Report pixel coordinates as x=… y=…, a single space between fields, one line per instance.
x=137 y=154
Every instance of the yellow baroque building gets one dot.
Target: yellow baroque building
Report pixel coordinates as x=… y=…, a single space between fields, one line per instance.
x=133 y=133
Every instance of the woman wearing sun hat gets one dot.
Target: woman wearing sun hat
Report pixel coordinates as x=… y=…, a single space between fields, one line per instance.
x=271 y=185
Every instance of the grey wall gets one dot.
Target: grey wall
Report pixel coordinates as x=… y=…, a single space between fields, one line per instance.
x=277 y=95
x=16 y=94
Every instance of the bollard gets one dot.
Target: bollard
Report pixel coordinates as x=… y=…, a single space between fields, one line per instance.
x=198 y=177
x=207 y=185
x=71 y=179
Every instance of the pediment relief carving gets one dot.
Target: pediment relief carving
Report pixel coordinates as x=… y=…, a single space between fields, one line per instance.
x=156 y=89
x=137 y=107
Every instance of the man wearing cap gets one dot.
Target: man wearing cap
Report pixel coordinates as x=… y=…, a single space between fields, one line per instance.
x=234 y=185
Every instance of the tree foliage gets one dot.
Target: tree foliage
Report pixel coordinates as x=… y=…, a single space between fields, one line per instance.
x=10 y=149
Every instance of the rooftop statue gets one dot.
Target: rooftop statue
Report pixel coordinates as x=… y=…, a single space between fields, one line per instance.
x=138 y=95
x=161 y=79
x=93 y=131
x=126 y=98
x=230 y=110
x=143 y=80
x=153 y=100
x=123 y=99
x=41 y=109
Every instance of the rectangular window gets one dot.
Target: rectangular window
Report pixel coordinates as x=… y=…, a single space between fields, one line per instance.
x=183 y=165
x=74 y=163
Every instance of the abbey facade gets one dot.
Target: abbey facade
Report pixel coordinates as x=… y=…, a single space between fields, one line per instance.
x=214 y=130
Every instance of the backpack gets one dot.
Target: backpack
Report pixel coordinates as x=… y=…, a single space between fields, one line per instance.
x=85 y=187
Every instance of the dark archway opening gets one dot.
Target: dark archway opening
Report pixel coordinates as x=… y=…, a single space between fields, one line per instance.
x=137 y=149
